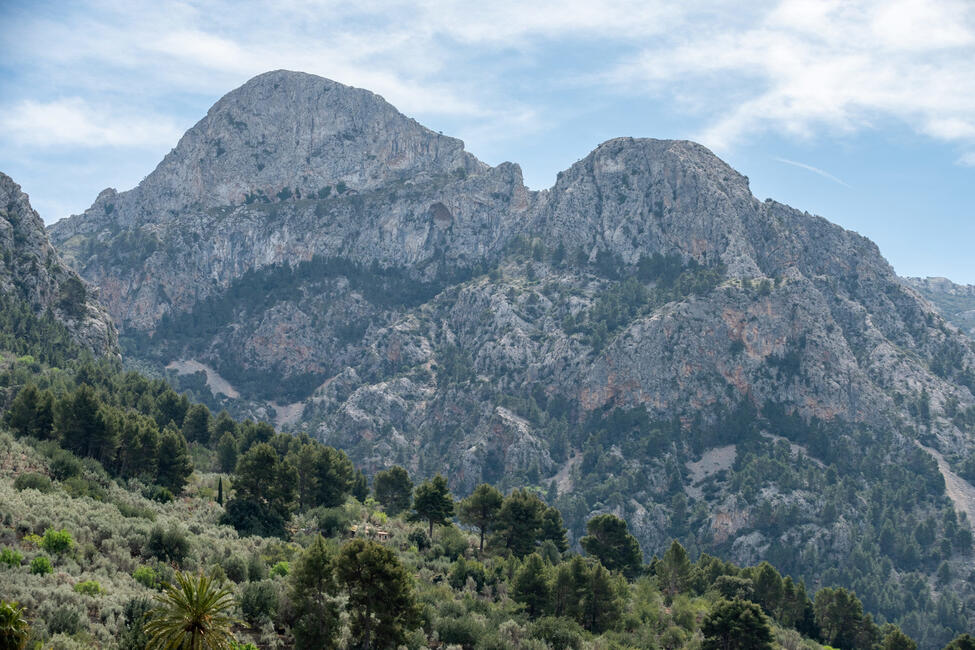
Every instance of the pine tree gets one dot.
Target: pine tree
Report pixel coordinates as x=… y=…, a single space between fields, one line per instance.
x=80 y=423
x=768 y=588
x=520 y=522
x=20 y=416
x=306 y=461
x=531 y=586
x=736 y=625
x=313 y=597
x=393 y=489
x=895 y=639
x=139 y=447
x=553 y=529
x=255 y=474
x=568 y=588
x=601 y=608
x=227 y=452
x=220 y=490
x=220 y=425
x=610 y=542
x=962 y=642
x=196 y=424
x=433 y=502
x=335 y=477
x=481 y=509
x=359 y=488
x=174 y=464
x=381 y=604
x=673 y=571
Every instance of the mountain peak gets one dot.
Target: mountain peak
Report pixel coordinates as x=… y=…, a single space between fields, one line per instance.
x=285 y=135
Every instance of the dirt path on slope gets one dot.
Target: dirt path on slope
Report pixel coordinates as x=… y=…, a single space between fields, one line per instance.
x=563 y=479
x=960 y=491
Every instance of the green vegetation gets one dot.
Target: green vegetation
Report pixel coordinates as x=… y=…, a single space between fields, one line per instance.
x=609 y=542
x=14 y=628
x=393 y=489
x=293 y=589
x=275 y=556
x=433 y=503
x=36 y=338
x=40 y=566
x=792 y=476
x=481 y=510
x=192 y=614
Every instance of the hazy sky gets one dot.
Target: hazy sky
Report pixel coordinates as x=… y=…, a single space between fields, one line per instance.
x=863 y=112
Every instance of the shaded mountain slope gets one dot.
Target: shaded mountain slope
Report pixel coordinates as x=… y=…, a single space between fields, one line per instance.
x=33 y=279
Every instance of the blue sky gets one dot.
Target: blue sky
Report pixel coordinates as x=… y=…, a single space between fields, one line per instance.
x=861 y=111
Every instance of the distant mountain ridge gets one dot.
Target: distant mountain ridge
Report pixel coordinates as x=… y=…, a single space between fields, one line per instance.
x=334 y=260
x=956 y=302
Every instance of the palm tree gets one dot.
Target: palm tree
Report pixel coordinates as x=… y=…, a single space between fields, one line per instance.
x=192 y=615
x=14 y=628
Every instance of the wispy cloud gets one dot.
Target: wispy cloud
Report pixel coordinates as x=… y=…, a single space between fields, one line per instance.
x=795 y=67
x=802 y=67
x=815 y=170
x=72 y=122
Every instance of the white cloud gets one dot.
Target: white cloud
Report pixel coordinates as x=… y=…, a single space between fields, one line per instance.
x=809 y=65
x=73 y=122
x=797 y=67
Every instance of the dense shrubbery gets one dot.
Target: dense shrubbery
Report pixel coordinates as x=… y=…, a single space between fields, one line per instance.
x=523 y=590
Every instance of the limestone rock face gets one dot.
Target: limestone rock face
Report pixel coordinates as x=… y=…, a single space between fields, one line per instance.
x=639 y=196
x=956 y=302
x=286 y=132
x=31 y=270
x=412 y=305
x=287 y=167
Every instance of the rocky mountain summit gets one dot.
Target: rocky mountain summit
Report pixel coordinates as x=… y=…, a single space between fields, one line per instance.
x=956 y=302
x=32 y=274
x=646 y=337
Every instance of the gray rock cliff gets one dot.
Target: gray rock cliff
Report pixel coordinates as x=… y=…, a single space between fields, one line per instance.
x=956 y=302
x=32 y=271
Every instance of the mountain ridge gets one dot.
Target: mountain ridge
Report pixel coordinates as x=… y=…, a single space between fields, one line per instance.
x=643 y=310
x=956 y=302
x=32 y=272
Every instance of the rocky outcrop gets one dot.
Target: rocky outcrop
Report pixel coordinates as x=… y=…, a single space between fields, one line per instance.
x=30 y=270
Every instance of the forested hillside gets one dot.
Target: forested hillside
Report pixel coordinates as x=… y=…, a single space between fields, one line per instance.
x=114 y=487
